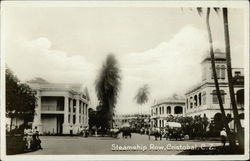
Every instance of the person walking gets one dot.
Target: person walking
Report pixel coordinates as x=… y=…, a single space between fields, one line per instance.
x=71 y=130
x=223 y=135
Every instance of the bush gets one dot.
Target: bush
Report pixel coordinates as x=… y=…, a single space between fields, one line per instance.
x=14 y=144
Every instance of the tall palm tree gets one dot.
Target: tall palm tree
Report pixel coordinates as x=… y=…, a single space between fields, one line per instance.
x=230 y=79
x=107 y=86
x=142 y=95
x=211 y=50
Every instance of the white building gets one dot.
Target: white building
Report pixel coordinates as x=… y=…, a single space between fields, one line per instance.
x=202 y=99
x=60 y=107
x=163 y=108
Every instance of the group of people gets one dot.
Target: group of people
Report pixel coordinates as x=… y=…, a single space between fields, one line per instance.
x=31 y=139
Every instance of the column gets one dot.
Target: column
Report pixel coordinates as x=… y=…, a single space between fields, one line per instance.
x=82 y=121
x=172 y=110
x=66 y=116
x=37 y=117
x=77 y=111
x=86 y=114
x=71 y=111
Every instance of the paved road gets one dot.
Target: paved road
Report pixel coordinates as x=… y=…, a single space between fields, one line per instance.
x=138 y=144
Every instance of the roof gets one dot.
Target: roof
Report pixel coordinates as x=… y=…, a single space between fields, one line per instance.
x=173 y=99
x=39 y=83
x=218 y=55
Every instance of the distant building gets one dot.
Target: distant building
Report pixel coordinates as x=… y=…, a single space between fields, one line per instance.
x=134 y=120
x=60 y=107
x=163 y=108
x=202 y=99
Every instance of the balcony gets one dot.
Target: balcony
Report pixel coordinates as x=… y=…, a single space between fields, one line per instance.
x=52 y=109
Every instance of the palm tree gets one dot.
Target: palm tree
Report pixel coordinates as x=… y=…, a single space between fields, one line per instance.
x=142 y=95
x=211 y=50
x=107 y=86
x=230 y=79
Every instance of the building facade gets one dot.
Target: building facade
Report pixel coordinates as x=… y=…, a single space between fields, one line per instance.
x=60 y=108
x=162 y=109
x=202 y=99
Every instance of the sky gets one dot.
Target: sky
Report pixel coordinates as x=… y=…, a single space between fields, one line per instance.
x=158 y=46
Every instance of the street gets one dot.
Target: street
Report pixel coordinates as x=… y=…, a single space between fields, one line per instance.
x=138 y=144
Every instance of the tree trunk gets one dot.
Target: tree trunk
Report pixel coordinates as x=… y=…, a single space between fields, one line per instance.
x=230 y=80
x=11 y=122
x=231 y=140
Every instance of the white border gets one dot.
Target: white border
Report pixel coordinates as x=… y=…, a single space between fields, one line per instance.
x=236 y=4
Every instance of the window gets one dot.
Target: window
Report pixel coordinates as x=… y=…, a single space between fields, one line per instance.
x=187 y=103
x=218 y=71
x=223 y=72
x=195 y=101
x=215 y=98
x=237 y=73
x=156 y=112
x=199 y=99
x=178 y=110
x=191 y=102
x=162 y=110
x=168 y=110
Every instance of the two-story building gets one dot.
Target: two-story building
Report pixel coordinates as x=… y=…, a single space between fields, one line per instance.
x=163 y=108
x=60 y=107
x=202 y=99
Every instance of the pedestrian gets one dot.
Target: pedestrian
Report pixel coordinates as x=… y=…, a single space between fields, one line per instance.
x=38 y=140
x=223 y=135
x=71 y=130
x=28 y=138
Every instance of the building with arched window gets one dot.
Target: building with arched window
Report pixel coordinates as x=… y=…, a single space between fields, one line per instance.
x=202 y=98
x=163 y=108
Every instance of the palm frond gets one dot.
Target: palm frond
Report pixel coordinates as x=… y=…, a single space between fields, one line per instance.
x=199 y=10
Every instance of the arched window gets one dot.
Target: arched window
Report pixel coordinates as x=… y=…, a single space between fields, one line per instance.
x=191 y=102
x=215 y=98
x=195 y=101
x=223 y=72
x=240 y=97
x=218 y=71
x=178 y=110
x=162 y=109
x=199 y=99
x=168 y=110
x=156 y=112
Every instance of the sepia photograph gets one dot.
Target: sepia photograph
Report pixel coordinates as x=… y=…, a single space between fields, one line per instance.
x=124 y=80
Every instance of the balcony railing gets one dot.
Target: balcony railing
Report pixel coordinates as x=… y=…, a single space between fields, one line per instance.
x=52 y=108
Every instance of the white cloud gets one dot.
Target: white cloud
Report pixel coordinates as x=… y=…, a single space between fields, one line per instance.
x=171 y=67
x=34 y=58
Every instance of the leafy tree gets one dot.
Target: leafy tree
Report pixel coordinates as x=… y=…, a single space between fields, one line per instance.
x=230 y=79
x=20 y=99
x=107 y=88
x=231 y=138
x=142 y=95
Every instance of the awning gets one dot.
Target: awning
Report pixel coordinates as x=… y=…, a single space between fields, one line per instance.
x=173 y=124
